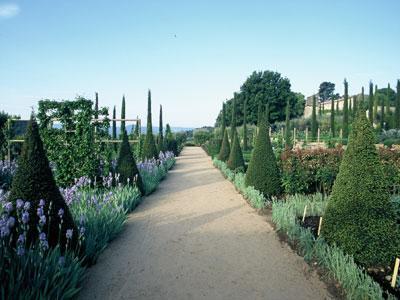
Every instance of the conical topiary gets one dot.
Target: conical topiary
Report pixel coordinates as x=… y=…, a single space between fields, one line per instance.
x=263 y=172
x=359 y=217
x=161 y=143
x=33 y=182
x=126 y=165
x=225 y=148
x=122 y=128
x=149 y=147
x=236 y=161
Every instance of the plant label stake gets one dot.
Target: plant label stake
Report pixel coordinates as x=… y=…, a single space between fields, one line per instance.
x=395 y=272
x=319 y=226
x=304 y=213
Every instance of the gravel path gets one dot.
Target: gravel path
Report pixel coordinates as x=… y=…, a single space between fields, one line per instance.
x=196 y=238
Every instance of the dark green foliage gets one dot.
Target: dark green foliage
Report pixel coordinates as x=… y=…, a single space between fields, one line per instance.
x=233 y=120
x=149 y=147
x=122 y=129
x=34 y=181
x=259 y=113
x=266 y=86
x=245 y=138
x=3 y=140
x=170 y=141
x=355 y=106
x=287 y=128
x=223 y=121
x=346 y=110
x=388 y=114
x=225 y=148
x=332 y=117
x=314 y=125
x=382 y=110
x=160 y=133
x=263 y=172
x=397 y=112
x=326 y=91
x=359 y=217
x=96 y=106
x=371 y=103
x=126 y=165
x=114 y=128
x=236 y=161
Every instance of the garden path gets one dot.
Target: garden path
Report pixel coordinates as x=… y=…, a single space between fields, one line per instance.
x=196 y=238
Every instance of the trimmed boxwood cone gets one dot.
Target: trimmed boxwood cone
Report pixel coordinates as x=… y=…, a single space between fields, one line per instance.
x=263 y=172
x=236 y=161
x=225 y=148
x=126 y=165
x=149 y=147
x=33 y=182
x=359 y=217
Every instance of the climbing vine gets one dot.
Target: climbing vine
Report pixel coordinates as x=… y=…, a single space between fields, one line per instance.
x=72 y=145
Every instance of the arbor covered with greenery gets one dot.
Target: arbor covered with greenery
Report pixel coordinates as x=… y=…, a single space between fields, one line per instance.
x=259 y=89
x=263 y=172
x=359 y=217
x=149 y=146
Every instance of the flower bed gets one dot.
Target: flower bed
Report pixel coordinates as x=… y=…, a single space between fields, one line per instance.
x=37 y=271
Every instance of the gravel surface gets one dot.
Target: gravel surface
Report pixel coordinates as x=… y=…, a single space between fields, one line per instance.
x=196 y=238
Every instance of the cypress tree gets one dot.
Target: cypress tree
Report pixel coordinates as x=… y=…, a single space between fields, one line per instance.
x=263 y=172
x=114 y=128
x=171 y=143
x=122 y=129
x=34 y=181
x=287 y=127
x=245 y=147
x=223 y=121
x=126 y=165
x=371 y=114
x=149 y=147
x=236 y=161
x=376 y=103
x=233 y=119
x=355 y=107
x=137 y=129
x=359 y=217
x=388 y=112
x=96 y=106
x=259 y=113
x=397 y=115
x=314 y=125
x=225 y=148
x=332 y=117
x=160 y=133
x=345 y=110
x=267 y=112
x=350 y=109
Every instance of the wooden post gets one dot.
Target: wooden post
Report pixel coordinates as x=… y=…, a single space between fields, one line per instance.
x=319 y=226
x=395 y=272
x=294 y=136
x=306 y=134
x=304 y=213
x=319 y=132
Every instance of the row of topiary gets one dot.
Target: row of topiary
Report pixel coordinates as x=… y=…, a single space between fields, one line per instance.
x=359 y=217
x=46 y=237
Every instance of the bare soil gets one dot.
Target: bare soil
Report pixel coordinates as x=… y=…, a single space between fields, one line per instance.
x=197 y=238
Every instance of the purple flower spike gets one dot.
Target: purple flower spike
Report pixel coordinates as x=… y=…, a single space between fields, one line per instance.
x=4 y=231
x=21 y=239
x=20 y=251
x=61 y=261
x=8 y=207
x=20 y=203
x=42 y=220
x=42 y=203
x=42 y=236
x=61 y=213
x=40 y=211
x=27 y=205
x=82 y=230
x=11 y=222
x=25 y=217
x=69 y=233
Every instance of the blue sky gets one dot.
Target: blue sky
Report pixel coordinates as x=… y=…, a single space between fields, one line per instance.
x=60 y=49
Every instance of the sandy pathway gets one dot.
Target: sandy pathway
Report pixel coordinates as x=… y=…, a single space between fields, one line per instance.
x=196 y=238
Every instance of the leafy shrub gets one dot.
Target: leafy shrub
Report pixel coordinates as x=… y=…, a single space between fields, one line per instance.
x=263 y=172
x=202 y=136
x=225 y=148
x=34 y=181
x=236 y=161
x=360 y=217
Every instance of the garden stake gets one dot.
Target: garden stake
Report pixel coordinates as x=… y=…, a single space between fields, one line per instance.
x=395 y=272
x=319 y=226
x=304 y=213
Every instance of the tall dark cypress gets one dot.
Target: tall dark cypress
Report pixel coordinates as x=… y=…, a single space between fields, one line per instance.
x=355 y=106
x=371 y=103
x=346 y=110
x=314 y=125
x=267 y=112
x=332 y=117
x=382 y=110
x=114 y=128
x=259 y=113
x=96 y=107
x=287 y=126
x=160 y=132
x=223 y=121
x=388 y=112
x=122 y=129
x=397 y=114
x=233 y=120
x=149 y=147
x=245 y=125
